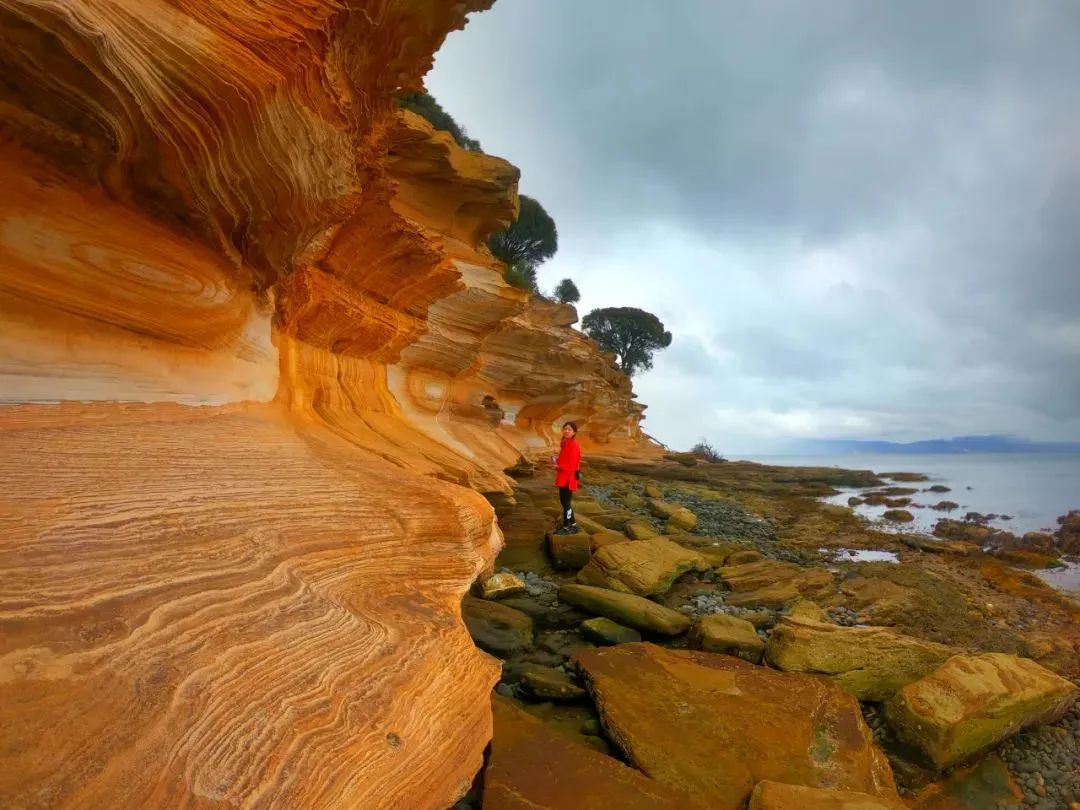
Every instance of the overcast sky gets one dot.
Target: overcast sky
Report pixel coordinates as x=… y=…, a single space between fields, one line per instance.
x=858 y=219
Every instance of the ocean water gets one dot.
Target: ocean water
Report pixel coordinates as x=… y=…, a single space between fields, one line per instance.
x=1032 y=489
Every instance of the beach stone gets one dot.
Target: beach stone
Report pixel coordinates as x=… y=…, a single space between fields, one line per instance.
x=773 y=584
x=779 y=796
x=971 y=703
x=678 y=517
x=500 y=586
x=496 y=628
x=532 y=767
x=549 y=683
x=633 y=501
x=653 y=491
x=985 y=784
x=639 y=529
x=646 y=567
x=720 y=633
x=569 y=551
x=625 y=608
x=870 y=662
x=714 y=726
x=605 y=631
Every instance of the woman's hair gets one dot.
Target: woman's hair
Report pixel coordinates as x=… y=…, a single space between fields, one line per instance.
x=571 y=425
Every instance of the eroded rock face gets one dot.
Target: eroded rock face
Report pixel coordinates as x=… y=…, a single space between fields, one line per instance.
x=216 y=203
x=714 y=726
x=870 y=662
x=973 y=702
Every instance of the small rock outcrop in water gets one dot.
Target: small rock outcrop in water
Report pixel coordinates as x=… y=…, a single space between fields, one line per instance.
x=218 y=204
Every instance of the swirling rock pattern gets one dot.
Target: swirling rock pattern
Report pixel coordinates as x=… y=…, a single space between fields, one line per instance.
x=255 y=601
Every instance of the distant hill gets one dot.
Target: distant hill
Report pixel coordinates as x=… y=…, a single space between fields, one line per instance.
x=958 y=444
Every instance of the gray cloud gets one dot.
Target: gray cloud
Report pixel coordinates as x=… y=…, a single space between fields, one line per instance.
x=852 y=216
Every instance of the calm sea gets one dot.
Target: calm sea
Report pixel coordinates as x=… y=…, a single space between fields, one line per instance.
x=1033 y=489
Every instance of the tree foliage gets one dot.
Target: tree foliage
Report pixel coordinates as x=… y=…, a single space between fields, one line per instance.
x=567 y=292
x=532 y=238
x=426 y=106
x=631 y=334
x=522 y=276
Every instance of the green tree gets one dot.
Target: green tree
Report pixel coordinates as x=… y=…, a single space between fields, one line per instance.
x=522 y=276
x=631 y=334
x=426 y=106
x=532 y=238
x=567 y=292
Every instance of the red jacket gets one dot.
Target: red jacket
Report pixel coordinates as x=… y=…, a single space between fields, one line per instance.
x=567 y=465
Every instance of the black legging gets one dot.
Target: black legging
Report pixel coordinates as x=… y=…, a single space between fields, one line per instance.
x=566 y=497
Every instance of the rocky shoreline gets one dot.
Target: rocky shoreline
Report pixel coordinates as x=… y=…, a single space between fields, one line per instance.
x=689 y=573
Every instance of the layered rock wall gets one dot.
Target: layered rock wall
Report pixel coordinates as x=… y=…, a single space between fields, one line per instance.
x=253 y=361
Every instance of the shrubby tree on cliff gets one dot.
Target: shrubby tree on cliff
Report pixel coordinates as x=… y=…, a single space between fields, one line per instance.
x=631 y=334
x=531 y=240
x=522 y=276
x=426 y=106
x=567 y=292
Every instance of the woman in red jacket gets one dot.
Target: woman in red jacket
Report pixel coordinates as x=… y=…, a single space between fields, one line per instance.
x=567 y=475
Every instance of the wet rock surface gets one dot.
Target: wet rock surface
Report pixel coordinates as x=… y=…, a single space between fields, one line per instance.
x=772 y=563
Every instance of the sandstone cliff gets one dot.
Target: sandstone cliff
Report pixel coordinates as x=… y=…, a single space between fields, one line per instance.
x=254 y=364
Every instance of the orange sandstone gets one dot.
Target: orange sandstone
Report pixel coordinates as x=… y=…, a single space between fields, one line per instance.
x=254 y=359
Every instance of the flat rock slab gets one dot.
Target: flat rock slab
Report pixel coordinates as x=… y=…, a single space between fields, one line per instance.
x=774 y=584
x=714 y=726
x=778 y=796
x=501 y=585
x=645 y=567
x=548 y=683
x=626 y=608
x=533 y=768
x=496 y=628
x=870 y=662
x=974 y=702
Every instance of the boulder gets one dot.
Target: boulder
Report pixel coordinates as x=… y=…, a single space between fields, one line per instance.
x=807 y=610
x=569 y=551
x=645 y=567
x=773 y=584
x=548 y=683
x=633 y=501
x=625 y=608
x=496 y=628
x=639 y=529
x=661 y=508
x=605 y=631
x=653 y=491
x=853 y=501
x=779 y=796
x=971 y=703
x=870 y=662
x=719 y=633
x=682 y=520
x=532 y=767
x=714 y=726
x=589 y=525
x=501 y=585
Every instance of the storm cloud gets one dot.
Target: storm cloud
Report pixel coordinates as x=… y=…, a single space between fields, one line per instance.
x=857 y=219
